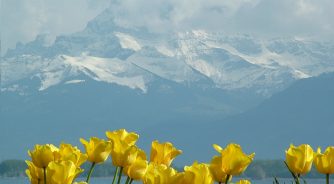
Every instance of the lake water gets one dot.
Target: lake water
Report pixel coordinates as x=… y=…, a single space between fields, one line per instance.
x=108 y=181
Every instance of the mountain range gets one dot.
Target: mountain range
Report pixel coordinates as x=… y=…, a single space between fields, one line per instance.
x=165 y=85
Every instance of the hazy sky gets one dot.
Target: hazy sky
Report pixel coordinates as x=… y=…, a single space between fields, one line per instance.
x=22 y=20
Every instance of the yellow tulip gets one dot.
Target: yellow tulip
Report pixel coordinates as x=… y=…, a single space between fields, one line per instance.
x=151 y=175
x=161 y=174
x=163 y=153
x=243 y=182
x=178 y=178
x=233 y=160
x=197 y=174
x=68 y=152
x=97 y=149
x=132 y=154
x=63 y=172
x=324 y=162
x=299 y=159
x=42 y=155
x=121 y=141
x=135 y=163
x=217 y=171
x=34 y=173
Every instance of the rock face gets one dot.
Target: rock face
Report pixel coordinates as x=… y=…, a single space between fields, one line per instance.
x=113 y=77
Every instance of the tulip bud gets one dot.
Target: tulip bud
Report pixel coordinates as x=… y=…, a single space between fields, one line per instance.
x=34 y=173
x=71 y=153
x=216 y=170
x=135 y=163
x=161 y=174
x=42 y=155
x=299 y=159
x=324 y=162
x=233 y=160
x=63 y=172
x=197 y=174
x=121 y=142
x=97 y=149
x=163 y=153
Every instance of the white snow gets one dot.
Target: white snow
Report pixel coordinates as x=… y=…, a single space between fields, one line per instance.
x=165 y=51
x=167 y=67
x=17 y=68
x=127 y=41
x=49 y=79
x=300 y=75
x=205 y=68
x=182 y=57
x=200 y=33
x=74 y=81
x=265 y=59
x=108 y=70
x=65 y=69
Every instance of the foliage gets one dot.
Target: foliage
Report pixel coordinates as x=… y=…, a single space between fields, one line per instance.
x=12 y=168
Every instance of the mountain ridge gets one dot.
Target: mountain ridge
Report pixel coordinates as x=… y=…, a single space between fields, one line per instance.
x=109 y=77
x=231 y=62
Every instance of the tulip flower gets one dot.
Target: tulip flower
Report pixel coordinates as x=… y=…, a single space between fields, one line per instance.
x=63 y=172
x=68 y=152
x=35 y=174
x=42 y=155
x=136 y=170
x=163 y=153
x=233 y=160
x=97 y=151
x=197 y=174
x=121 y=142
x=217 y=171
x=135 y=163
x=299 y=160
x=324 y=162
x=243 y=182
x=161 y=174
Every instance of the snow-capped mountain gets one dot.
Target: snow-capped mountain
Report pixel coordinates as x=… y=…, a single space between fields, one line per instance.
x=113 y=77
x=134 y=57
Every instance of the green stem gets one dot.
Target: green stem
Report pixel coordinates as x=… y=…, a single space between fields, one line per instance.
x=90 y=172
x=327 y=178
x=38 y=181
x=44 y=172
x=297 y=180
x=295 y=176
x=120 y=175
x=227 y=178
x=131 y=181
x=115 y=174
x=127 y=180
x=276 y=180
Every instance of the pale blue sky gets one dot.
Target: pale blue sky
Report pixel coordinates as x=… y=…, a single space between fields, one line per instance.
x=22 y=20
